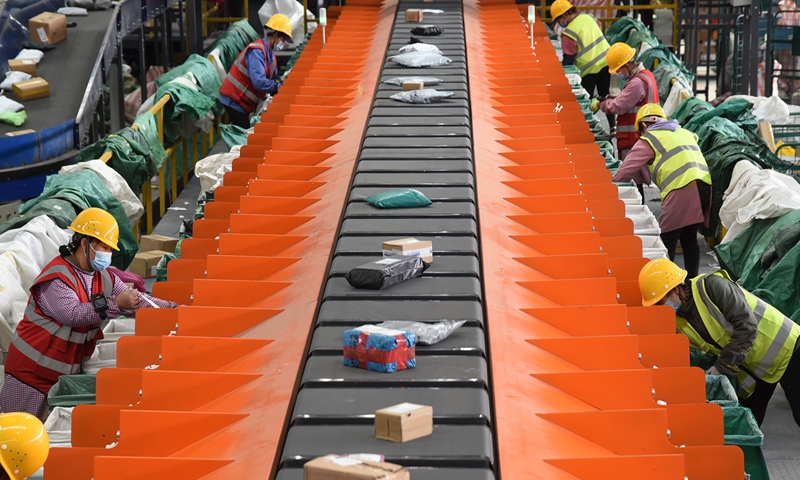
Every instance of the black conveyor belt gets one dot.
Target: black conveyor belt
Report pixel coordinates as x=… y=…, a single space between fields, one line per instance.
x=427 y=147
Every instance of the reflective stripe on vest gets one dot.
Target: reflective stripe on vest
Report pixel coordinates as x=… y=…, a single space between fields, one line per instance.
x=592 y=45
x=678 y=160
x=626 y=123
x=41 y=359
x=772 y=349
x=237 y=84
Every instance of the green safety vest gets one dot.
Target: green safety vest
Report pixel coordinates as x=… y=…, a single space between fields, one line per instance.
x=678 y=160
x=773 y=346
x=592 y=45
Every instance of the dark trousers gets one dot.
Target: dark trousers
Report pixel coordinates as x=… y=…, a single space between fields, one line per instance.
x=600 y=81
x=238 y=118
x=691 y=250
x=758 y=401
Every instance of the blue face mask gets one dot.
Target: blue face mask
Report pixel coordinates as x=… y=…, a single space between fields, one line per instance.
x=101 y=261
x=675 y=306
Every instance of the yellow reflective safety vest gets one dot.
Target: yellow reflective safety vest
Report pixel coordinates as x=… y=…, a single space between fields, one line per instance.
x=678 y=160
x=773 y=346
x=592 y=45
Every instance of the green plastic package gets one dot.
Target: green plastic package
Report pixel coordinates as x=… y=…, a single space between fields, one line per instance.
x=72 y=390
x=404 y=198
x=14 y=118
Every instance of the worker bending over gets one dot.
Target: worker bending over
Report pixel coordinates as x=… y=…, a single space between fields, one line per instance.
x=754 y=341
x=676 y=164
x=69 y=300
x=583 y=45
x=255 y=72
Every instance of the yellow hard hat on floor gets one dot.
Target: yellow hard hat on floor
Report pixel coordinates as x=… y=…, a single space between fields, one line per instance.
x=619 y=55
x=99 y=224
x=280 y=23
x=24 y=444
x=559 y=7
x=657 y=278
x=650 y=112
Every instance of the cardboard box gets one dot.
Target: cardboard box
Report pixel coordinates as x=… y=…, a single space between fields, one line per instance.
x=27 y=65
x=403 y=422
x=413 y=86
x=48 y=27
x=144 y=263
x=20 y=132
x=414 y=15
x=157 y=242
x=335 y=467
x=410 y=247
x=30 y=89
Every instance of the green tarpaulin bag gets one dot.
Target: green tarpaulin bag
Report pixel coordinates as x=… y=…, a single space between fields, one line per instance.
x=404 y=198
x=665 y=57
x=73 y=390
x=232 y=135
x=689 y=108
x=146 y=123
x=741 y=429
x=203 y=71
x=719 y=390
x=61 y=211
x=161 y=267
x=129 y=159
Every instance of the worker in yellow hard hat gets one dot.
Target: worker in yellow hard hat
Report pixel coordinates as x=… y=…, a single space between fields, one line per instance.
x=677 y=166
x=255 y=72
x=640 y=89
x=753 y=340
x=583 y=45
x=24 y=445
x=69 y=300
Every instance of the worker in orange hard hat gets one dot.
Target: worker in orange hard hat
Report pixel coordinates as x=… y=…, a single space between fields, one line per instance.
x=69 y=300
x=255 y=72
x=754 y=341
x=24 y=445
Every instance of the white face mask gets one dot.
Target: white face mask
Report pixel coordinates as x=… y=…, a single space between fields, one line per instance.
x=279 y=45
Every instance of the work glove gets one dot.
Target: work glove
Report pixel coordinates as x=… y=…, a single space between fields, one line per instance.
x=713 y=371
x=594 y=106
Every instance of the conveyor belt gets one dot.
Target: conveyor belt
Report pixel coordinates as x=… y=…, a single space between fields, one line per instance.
x=427 y=147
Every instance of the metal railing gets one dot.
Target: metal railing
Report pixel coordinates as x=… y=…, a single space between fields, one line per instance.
x=208 y=18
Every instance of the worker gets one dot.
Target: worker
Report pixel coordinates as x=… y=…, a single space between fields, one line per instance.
x=754 y=341
x=676 y=164
x=69 y=300
x=255 y=72
x=583 y=45
x=640 y=89
x=24 y=445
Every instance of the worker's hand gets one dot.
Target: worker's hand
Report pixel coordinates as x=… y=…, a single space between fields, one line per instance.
x=128 y=300
x=594 y=106
x=713 y=371
x=610 y=97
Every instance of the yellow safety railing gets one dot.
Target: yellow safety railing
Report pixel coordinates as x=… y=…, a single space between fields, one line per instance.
x=610 y=13
x=208 y=18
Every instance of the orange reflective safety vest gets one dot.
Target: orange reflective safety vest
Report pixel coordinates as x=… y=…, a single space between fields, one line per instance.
x=626 y=123
x=43 y=349
x=238 y=86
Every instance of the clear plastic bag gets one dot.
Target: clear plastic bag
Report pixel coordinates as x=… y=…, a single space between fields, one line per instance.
x=427 y=81
x=421 y=47
x=420 y=59
x=426 y=333
x=427 y=95
x=427 y=30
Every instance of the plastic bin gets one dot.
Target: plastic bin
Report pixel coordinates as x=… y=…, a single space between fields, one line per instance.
x=104 y=356
x=720 y=391
x=645 y=224
x=72 y=390
x=741 y=429
x=630 y=195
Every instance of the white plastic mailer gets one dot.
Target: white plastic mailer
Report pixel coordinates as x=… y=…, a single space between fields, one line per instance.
x=117 y=328
x=653 y=247
x=118 y=186
x=630 y=195
x=645 y=224
x=104 y=356
x=59 y=427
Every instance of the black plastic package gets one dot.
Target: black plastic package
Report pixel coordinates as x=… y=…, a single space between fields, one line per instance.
x=386 y=272
x=427 y=30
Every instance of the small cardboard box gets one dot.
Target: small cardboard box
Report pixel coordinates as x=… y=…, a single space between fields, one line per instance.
x=20 y=132
x=30 y=89
x=27 y=65
x=48 y=27
x=144 y=263
x=409 y=247
x=335 y=467
x=413 y=86
x=404 y=422
x=414 y=15
x=157 y=242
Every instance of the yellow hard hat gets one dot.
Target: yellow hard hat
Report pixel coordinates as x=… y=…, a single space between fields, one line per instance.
x=657 y=278
x=619 y=55
x=24 y=444
x=558 y=8
x=650 y=112
x=97 y=223
x=280 y=23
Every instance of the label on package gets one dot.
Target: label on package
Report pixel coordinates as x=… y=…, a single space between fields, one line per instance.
x=419 y=252
x=42 y=34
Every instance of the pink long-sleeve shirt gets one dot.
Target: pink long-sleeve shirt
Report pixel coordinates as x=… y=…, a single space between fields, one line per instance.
x=682 y=206
x=632 y=93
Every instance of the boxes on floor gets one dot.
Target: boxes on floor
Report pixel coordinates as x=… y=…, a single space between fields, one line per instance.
x=144 y=263
x=148 y=243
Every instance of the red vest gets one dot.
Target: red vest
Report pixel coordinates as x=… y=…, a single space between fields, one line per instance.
x=42 y=348
x=626 y=129
x=237 y=84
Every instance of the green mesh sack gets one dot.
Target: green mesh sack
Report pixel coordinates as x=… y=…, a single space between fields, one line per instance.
x=72 y=390
x=404 y=198
x=719 y=390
